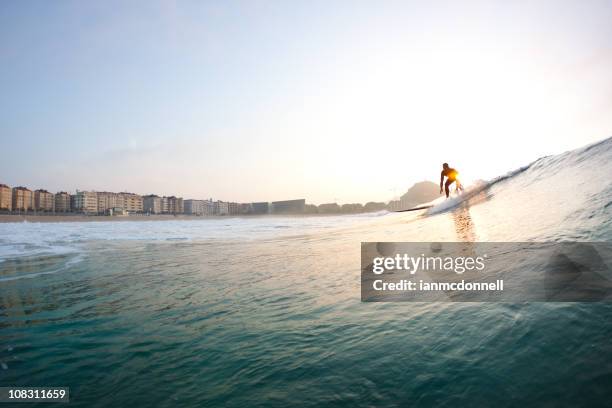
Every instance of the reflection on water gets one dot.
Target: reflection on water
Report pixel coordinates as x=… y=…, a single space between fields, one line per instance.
x=462 y=219
x=464 y=226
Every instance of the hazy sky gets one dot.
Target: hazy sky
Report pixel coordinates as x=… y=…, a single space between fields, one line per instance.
x=258 y=100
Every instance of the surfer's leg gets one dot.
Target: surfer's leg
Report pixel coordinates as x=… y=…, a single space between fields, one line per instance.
x=446 y=187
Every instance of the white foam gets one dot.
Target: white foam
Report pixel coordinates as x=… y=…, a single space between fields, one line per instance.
x=19 y=239
x=444 y=204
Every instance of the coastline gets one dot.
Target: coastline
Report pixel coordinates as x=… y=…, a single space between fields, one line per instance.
x=15 y=218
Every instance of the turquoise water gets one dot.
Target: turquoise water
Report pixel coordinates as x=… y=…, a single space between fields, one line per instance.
x=267 y=311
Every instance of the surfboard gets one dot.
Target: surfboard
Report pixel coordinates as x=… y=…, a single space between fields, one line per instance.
x=415 y=208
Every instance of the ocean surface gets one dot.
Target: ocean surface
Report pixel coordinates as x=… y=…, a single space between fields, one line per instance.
x=248 y=312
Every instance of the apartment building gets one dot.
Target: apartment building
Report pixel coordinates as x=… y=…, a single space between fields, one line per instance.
x=194 y=207
x=233 y=208
x=6 y=197
x=86 y=202
x=105 y=202
x=288 y=206
x=132 y=203
x=209 y=207
x=108 y=201
x=245 y=208
x=172 y=205
x=44 y=201
x=152 y=204
x=165 y=206
x=62 y=202
x=260 y=208
x=179 y=207
x=23 y=199
x=221 y=208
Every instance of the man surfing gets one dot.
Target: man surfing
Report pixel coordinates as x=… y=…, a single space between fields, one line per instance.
x=451 y=177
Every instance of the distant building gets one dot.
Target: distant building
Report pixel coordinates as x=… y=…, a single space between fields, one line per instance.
x=86 y=202
x=172 y=205
x=194 y=207
x=62 y=202
x=221 y=207
x=107 y=201
x=260 y=208
x=233 y=208
x=23 y=199
x=6 y=197
x=374 y=206
x=351 y=208
x=152 y=204
x=245 y=208
x=329 y=208
x=310 y=209
x=288 y=206
x=44 y=201
x=131 y=203
x=209 y=207
x=164 y=205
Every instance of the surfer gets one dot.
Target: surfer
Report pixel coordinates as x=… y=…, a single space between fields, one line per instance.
x=451 y=177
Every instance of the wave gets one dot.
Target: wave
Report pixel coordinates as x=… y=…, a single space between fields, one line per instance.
x=585 y=164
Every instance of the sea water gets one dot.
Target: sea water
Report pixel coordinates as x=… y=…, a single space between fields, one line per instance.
x=266 y=311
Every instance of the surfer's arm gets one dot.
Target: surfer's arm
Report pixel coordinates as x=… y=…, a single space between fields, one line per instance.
x=441 y=181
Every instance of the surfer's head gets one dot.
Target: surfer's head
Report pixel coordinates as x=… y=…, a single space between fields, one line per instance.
x=445 y=166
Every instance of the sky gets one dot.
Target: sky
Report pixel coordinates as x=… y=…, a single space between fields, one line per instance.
x=345 y=101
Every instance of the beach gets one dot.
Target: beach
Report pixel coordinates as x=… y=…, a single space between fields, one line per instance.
x=14 y=218
x=5 y=218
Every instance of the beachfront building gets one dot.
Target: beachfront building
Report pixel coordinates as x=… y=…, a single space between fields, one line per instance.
x=233 y=208
x=244 y=208
x=179 y=207
x=23 y=199
x=194 y=207
x=119 y=203
x=152 y=204
x=288 y=206
x=260 y=208
x=221 y=208
x=131 y=203
x=205 y=207
x=108 y=201
x=209 y=207
x=62 y=202
x=329 y=208
x=165 y=205
x=6 y=198
x=172 y=205
x=86 y=202
x=374 y=206
x=44 y=201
